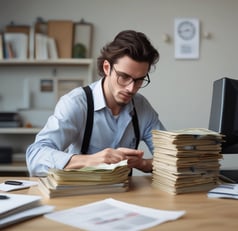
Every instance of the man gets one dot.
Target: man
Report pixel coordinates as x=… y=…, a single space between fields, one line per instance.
x=124 y=65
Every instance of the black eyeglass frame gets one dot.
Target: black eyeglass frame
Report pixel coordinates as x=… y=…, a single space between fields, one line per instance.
x=145 y=80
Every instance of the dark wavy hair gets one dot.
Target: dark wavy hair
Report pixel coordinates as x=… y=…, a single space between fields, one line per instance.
x=131 y=43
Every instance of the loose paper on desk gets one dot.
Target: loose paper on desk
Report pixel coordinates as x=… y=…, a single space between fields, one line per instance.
x=18 y=207
x=224 y=191
x=25 y=184
x=110 y=214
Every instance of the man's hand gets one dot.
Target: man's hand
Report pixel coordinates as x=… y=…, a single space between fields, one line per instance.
x=133 y=156
x=111 y=156
x=135 y=159
x=108 y=156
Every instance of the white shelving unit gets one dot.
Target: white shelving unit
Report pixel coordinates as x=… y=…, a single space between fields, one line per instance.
x=17 y=131
x=21 y=91
x=18 y=139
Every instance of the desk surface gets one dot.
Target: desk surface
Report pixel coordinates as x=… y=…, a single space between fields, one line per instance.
x=202 y=213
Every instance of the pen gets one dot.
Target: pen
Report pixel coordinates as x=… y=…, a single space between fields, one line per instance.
x=13 y=182
x=3 y=197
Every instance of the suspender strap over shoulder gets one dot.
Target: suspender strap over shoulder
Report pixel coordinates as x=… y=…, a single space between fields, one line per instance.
x=136 y=125
x=89 y=122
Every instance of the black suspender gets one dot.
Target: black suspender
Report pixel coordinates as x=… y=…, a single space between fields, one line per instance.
x=136 y=125
x=89 y=122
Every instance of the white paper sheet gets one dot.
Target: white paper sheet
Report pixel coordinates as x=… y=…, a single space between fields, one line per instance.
x=110 y=214
x=18 y=207
x=25 y=215
x=25 y=184
x=15 y=201
x=224 y=191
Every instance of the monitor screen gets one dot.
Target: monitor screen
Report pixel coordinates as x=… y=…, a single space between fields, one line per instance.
x=224 y=113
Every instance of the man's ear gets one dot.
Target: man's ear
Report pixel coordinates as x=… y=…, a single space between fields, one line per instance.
x=106 y=67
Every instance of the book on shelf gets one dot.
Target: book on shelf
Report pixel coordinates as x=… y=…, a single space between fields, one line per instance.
x=52 y=49
x=10 y=120
x=1 y=47
x=18 y=207
x=45 y=47
x=9 y=116
x=103 y=178
x=186 y=160
x=16 y=45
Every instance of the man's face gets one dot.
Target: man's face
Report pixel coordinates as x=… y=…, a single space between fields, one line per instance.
x=123 y=80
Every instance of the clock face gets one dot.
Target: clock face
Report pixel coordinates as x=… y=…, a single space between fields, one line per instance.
x=186 y=30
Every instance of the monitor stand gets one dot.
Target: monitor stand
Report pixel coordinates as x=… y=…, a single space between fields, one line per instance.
x=229 y=167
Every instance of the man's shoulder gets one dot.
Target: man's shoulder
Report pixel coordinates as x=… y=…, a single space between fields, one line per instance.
x=142 y=104
x=139 y=99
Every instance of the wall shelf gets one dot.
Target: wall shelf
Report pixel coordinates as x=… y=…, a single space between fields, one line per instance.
x=19 y=130
x=50 y=62
x=14 y=167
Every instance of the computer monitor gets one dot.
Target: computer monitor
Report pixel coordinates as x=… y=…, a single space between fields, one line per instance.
x=224 y=119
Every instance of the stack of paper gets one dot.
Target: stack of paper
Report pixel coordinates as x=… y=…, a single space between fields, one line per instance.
x=105 y=178
x=18 y=207
x=186 y=160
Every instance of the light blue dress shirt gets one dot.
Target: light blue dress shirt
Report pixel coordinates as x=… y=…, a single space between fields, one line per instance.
x=62 y=135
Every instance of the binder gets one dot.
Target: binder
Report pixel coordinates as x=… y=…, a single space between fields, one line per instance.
x=62 y=32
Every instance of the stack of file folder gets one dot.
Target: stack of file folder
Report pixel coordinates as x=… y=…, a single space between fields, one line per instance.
x=186 y=160
x=104 y=178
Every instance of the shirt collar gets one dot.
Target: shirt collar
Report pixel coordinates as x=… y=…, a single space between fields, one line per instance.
x=99 y=100
x=98 y=96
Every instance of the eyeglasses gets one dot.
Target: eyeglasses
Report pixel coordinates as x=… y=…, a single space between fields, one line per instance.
x=124 y=80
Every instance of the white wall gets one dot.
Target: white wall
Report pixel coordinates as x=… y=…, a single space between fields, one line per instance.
x=181 y=89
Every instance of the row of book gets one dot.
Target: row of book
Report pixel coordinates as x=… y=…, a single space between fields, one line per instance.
x=23 y=42
x=46 y=40
x=186 y=160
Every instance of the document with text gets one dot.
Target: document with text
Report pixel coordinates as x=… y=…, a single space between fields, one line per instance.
x=110 y=214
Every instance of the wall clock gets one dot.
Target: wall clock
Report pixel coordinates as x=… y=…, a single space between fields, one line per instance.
x=186 y=38
x=186 y=30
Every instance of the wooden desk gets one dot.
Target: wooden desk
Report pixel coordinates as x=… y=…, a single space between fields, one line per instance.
x=202 y=213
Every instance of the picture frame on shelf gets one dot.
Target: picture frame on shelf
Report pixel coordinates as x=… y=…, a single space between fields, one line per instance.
x=65 y=85
x=82 y=40
x=46 y=85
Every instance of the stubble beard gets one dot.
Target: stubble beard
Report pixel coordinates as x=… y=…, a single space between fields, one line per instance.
x=121 y=102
